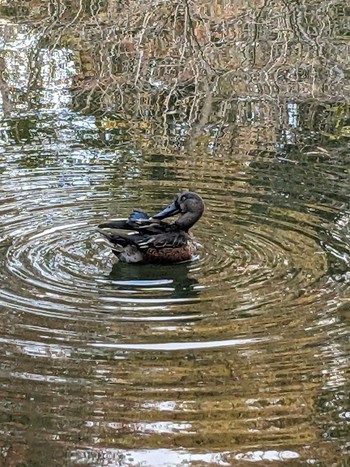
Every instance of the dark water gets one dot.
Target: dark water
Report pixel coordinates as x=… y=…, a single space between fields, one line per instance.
x=239 y=356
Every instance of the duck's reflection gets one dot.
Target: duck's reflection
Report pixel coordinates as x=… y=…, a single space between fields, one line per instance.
x=176 y=280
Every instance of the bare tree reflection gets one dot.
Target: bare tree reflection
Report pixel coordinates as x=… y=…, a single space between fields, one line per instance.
x=189 y=61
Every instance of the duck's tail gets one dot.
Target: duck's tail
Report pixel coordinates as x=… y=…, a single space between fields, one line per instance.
x=122 y=245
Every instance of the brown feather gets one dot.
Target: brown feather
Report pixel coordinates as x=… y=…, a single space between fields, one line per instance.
x=168 y=255
x=145 y=239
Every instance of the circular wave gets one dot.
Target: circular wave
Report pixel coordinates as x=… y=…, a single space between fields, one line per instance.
x=149 y=351
x=247 y=261
x=257 y=255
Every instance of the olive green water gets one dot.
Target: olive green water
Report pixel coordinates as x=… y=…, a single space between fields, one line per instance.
x=238 y=357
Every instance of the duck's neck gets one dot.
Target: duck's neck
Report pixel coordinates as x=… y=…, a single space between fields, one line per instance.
x=187 y=220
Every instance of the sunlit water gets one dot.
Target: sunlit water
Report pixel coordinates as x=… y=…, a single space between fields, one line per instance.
x=237 y=356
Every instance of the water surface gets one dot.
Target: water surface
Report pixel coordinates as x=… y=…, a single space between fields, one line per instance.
x=239 y=356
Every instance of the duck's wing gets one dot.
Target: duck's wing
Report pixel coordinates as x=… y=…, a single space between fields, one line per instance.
x=137 y=217
x=120 y=224
x=117 y=240
x=147 y=225
x=163 y=240
x=144 y=241
x=138 y=221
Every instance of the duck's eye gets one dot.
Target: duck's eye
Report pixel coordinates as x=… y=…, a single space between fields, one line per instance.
x=183 y=199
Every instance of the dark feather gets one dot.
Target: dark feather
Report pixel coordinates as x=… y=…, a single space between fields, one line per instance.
x=116 y=225
x=142 y=238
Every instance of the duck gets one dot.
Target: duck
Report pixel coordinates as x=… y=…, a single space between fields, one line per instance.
x=148 y=239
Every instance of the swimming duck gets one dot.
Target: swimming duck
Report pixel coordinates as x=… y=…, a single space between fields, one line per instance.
x=147 y=239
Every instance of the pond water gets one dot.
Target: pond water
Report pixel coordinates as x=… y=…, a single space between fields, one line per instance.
x=239 y=356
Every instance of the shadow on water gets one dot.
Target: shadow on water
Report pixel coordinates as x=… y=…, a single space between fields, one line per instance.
x=239 y=357
x=176 y=280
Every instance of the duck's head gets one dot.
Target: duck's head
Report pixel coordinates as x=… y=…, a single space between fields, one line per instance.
x=189 y=205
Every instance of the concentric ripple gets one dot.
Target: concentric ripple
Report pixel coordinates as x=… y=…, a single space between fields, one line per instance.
x=255 y=256
x=238 y=356
x=149 y=355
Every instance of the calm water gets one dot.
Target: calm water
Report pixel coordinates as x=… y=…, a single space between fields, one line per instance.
x=238 y=357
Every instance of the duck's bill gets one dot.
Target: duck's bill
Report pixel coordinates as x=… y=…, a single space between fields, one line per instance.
x=171 y=210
